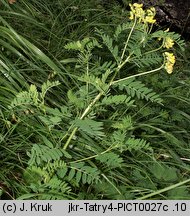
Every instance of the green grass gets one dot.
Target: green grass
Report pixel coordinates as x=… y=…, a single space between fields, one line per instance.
x=75 y=139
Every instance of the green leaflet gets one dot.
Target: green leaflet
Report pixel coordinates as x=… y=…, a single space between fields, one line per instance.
x=109 y=42
x=48 y=187
x=138 y=89
x=78 y=172
x=163 y=172
x=91 y=127
x=110 y=159
x=41 y=154
x=147 y=59
x=137 y=144
x=121 y=28
x=123 y=143
x=32 y=96
x=118 y=99
x=86 y=43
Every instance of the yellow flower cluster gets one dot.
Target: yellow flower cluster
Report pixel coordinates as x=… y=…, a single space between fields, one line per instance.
x=145 y=16
x=169 y=62
x=149 y=18
x=168 y=43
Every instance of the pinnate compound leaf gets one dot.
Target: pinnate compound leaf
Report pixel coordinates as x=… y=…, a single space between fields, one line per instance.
x=91 y=127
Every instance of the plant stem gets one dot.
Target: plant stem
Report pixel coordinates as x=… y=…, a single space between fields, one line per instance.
x=164 y=189
x=119 y=68
x=129 y=36
x=87 y=73
x=136 y=75
x=155 y=50
x=82 y=116
x=91 y=104
x=111 y=184
x=94 y=156
x=70 y=138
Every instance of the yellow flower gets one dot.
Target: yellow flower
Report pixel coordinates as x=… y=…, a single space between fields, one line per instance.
x=142 y=15
x=136 y=11
x=151 y=12
x=136 y=5
x=131 y=15
x=168 y=43
x=170 y=61
x=149 y=19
